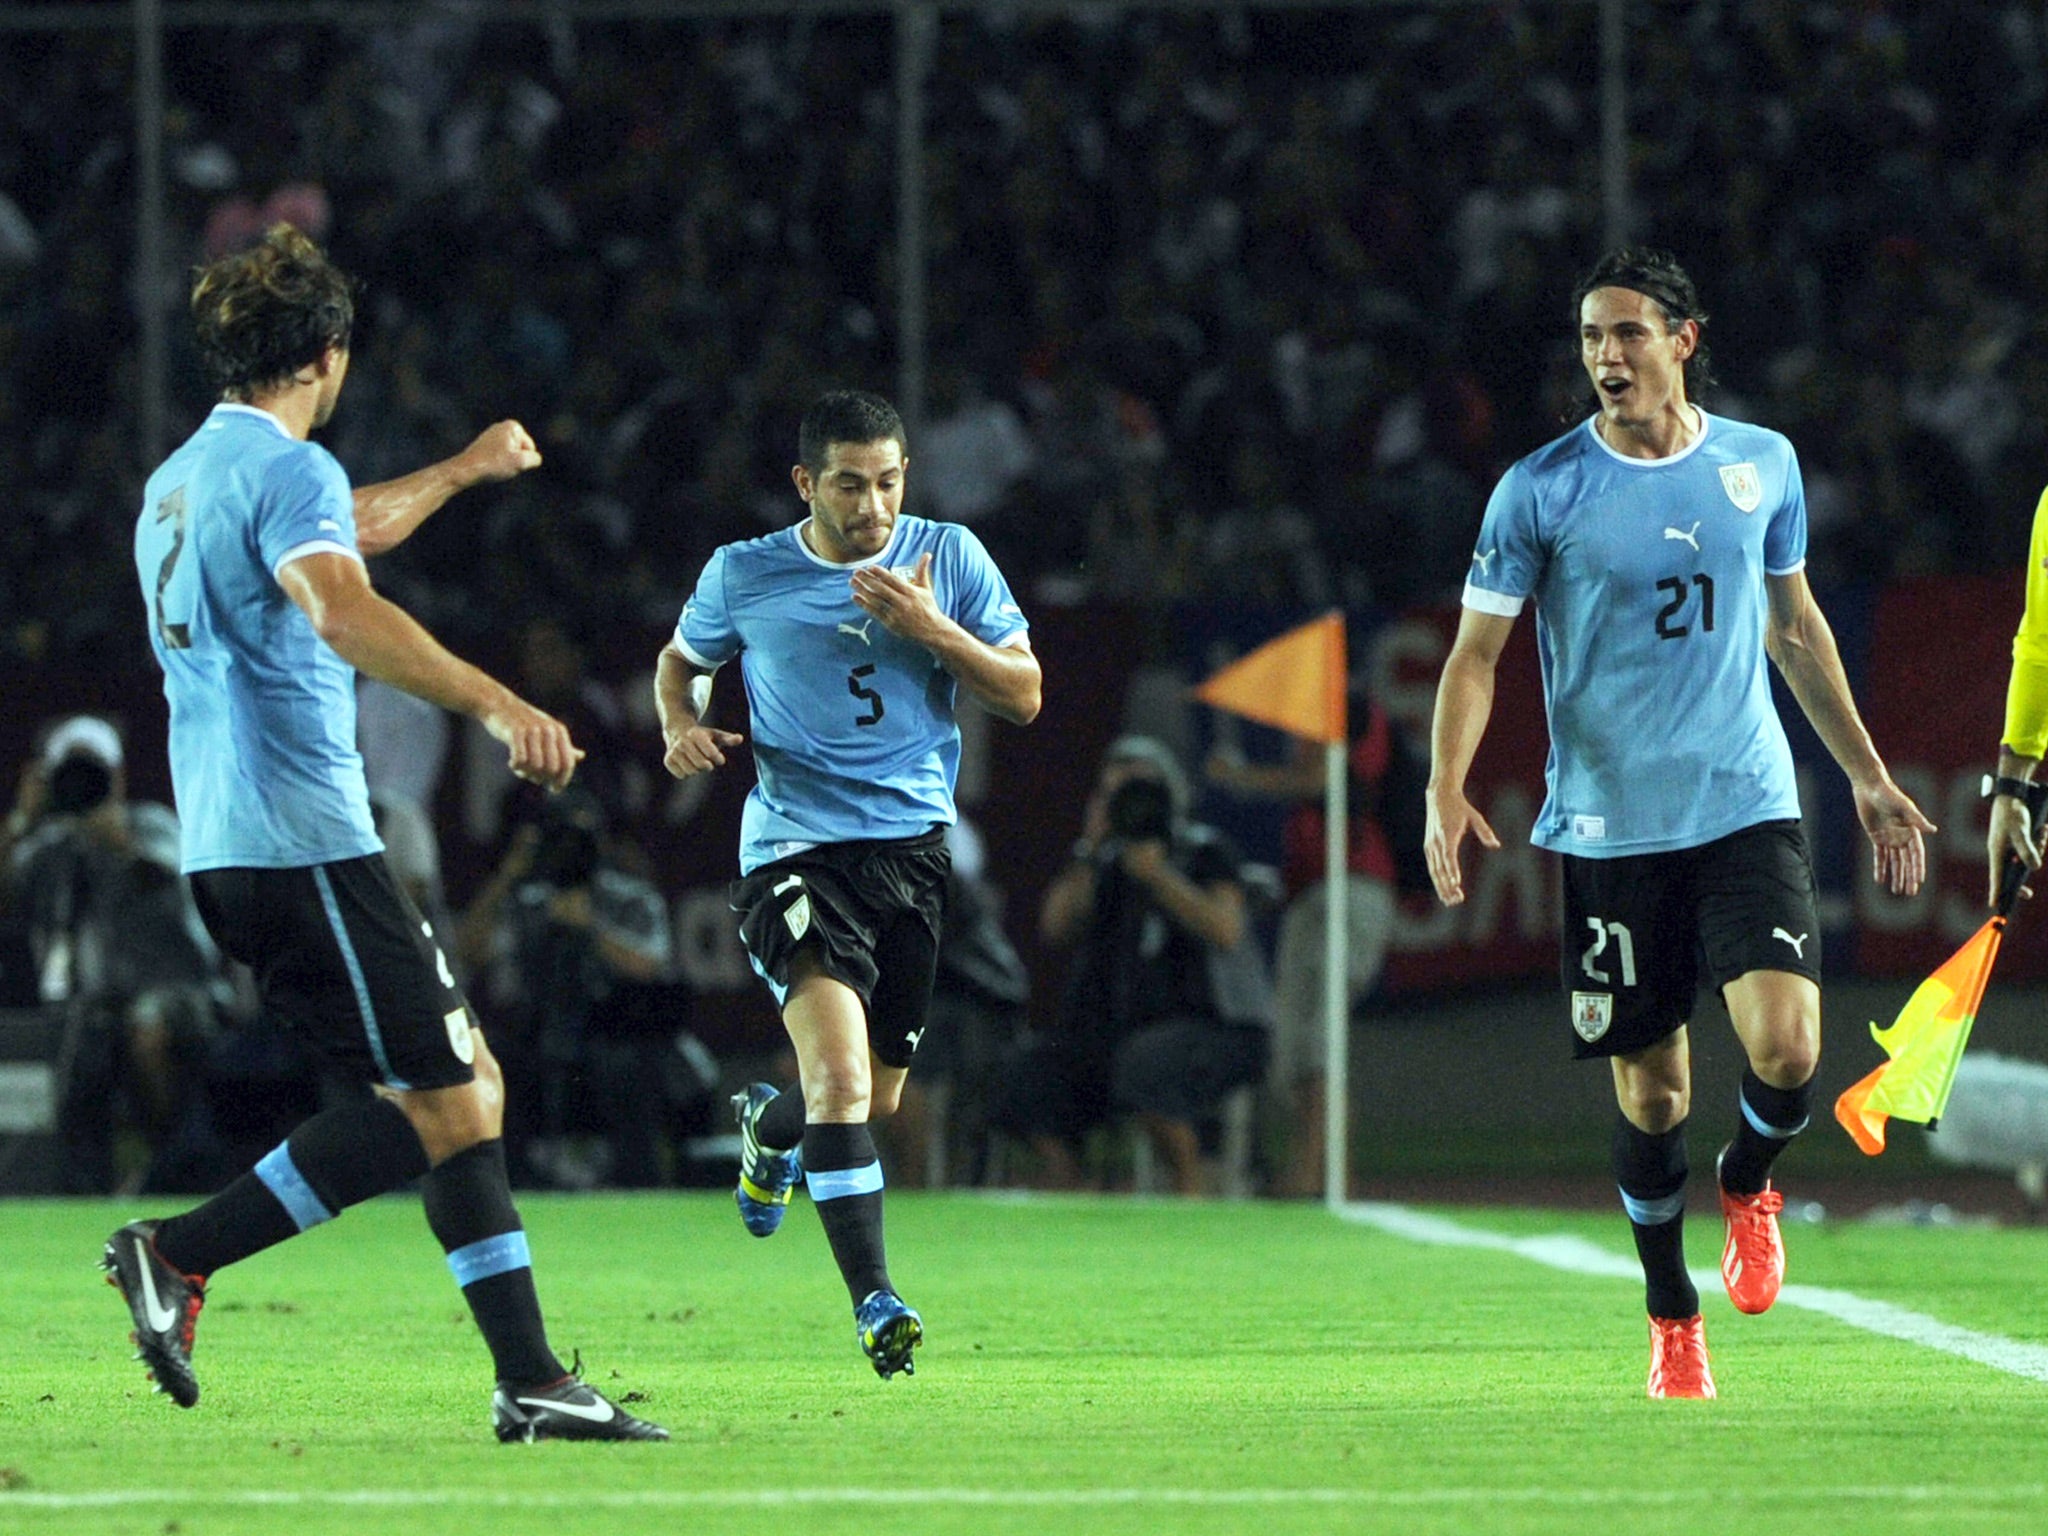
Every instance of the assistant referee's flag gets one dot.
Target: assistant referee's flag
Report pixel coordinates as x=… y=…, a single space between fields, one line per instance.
x=1925 y=1042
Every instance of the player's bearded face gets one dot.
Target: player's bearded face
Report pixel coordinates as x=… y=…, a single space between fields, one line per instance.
x=1634 y=358
x=855 y=498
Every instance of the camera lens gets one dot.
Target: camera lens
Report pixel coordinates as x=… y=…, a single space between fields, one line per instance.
x=78 y=785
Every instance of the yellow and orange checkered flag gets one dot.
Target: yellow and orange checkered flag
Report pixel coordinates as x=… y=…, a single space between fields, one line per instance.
x=1294 y=682
x=1925 y=1043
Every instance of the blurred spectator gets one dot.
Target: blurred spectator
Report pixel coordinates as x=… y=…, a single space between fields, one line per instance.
x=1168 y=1000
x=971 y=450
x=91 y=879
x=574 y=952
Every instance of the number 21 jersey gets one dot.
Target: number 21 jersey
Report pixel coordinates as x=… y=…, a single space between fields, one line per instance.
x=1651 y=606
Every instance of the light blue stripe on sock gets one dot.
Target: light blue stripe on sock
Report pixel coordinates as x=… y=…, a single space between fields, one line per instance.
x=355 y=978
x=1654 y=1213
x=1775 y=1132
x=281 y=1176
x=490 y=1256
x=838 y=1183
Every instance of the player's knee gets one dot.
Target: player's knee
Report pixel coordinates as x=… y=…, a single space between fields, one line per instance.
x=1656 y=1107
x=451 y=1120
x=836 y=1086
x=1787 y=1062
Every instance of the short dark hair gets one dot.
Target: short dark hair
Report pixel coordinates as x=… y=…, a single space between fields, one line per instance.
x=846 y=416
x=1658 y=277
x=263 y=314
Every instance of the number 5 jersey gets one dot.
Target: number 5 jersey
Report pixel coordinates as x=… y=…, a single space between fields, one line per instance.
x=853 y=728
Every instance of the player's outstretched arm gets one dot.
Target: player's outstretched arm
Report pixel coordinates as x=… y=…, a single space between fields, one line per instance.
x=1005 y=679
x=681 y=688
x=1464 y=704
x=388 y=513
x=1803 y=646
x=382 y=640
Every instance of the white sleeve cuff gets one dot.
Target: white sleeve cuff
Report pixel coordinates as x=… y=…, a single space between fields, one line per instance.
x=690 y=655
x=1498 y=603
x=314 y=547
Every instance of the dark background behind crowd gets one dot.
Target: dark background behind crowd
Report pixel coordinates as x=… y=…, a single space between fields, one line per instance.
x=1228 y=308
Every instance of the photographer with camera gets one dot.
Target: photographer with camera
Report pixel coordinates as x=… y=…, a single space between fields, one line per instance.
x=574 y=950
x=92 y=885
x=1168 y=1000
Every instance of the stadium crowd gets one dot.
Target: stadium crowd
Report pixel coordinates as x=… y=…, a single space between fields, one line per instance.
x=1295 y=273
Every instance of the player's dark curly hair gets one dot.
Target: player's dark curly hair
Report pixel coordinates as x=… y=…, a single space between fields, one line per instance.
x=263 y=314
x=846 y=416
x=1657 y=276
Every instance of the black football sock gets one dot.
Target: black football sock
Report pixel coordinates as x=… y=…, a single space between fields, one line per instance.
x=1651 y=1171
x=1771 y=1117
x=845 y=1179
x=781 y=1125
x=340 y=1157
x=469 y=1206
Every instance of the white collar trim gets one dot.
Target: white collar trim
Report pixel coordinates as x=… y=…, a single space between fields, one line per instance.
x=810 y=554
x=1593 y=431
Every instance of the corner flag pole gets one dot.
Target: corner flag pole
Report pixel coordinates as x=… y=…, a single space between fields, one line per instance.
x=1336 y=975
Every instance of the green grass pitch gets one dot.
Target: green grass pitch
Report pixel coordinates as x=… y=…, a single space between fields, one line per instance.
x=1091 y=1366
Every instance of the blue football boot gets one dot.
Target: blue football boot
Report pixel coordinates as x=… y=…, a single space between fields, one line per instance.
x=767 y=1177
x=888 y=1330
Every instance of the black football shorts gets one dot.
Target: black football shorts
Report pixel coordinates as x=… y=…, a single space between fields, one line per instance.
x=871 y=911
x=1641 y=930
x=343 y=957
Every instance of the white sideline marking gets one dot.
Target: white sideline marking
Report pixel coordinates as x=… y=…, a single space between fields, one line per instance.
x=1576 y=1256
x=764 y=1498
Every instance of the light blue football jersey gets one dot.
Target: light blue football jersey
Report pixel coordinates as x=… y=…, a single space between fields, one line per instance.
x=1651 y=607
x=853 y=729
x=263 y=712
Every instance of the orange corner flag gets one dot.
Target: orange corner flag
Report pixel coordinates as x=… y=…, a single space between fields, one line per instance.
x=1294 y=682
x=1925 y=1044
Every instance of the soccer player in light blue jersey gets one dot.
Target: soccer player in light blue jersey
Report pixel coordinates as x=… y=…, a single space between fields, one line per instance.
x=250 y=554
x=854 y=630
x=1664 y=549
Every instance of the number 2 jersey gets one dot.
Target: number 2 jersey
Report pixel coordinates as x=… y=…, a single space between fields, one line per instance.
x=1651 y=608
x=263 y=712
x=853 y=729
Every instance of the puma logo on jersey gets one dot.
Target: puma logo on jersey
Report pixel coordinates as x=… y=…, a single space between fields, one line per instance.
x=1484 y=558
x=1686 y=534
x=858 y=631
x=1798 y=944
